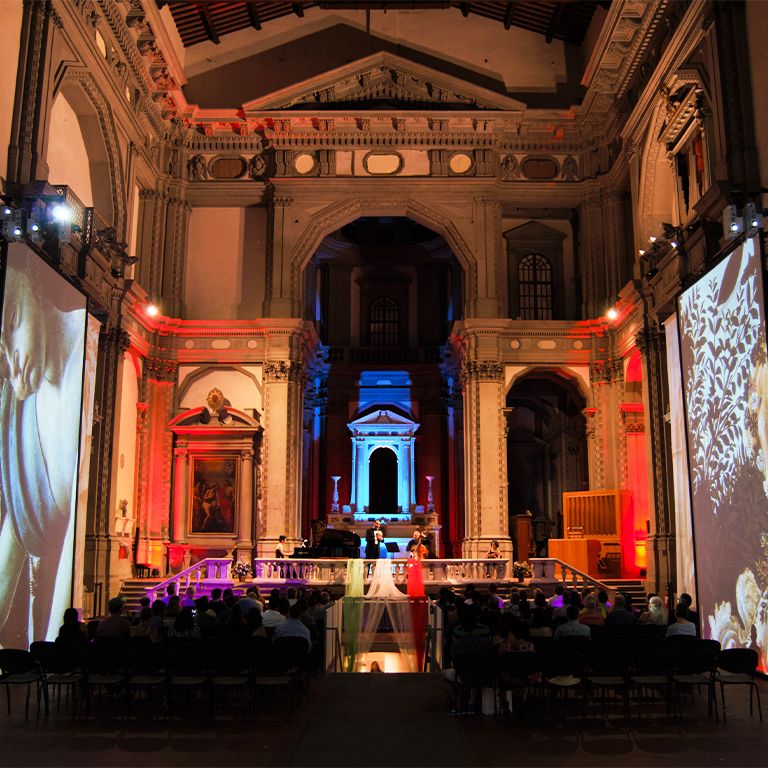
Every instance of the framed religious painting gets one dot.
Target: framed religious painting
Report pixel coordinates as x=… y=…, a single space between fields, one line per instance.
x=213 y=498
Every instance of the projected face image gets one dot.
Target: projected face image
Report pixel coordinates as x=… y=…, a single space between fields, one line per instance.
x=725 y=376
x=22 y=342
x=41 y=373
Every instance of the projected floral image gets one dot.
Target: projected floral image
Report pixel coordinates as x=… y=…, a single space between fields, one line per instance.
x=725 y=375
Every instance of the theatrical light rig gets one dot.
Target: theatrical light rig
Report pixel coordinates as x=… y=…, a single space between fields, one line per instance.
x=36 y=218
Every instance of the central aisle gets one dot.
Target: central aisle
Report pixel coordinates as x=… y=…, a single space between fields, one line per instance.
x=380 y=719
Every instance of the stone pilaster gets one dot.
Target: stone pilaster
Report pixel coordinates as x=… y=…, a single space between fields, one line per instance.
x=284 y=382
x=175 y=248
x=590 y=246
x=606 y=379
x=246 y=507
x=660 y=545
x=278 y=301
x=490 y=300
x=485 y=462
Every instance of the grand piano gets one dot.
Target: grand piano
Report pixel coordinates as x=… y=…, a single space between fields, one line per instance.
x=333 y=543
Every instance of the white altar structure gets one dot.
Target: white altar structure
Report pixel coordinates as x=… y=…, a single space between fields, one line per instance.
x=387 y=430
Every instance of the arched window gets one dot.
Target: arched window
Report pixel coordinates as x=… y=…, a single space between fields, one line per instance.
x=384 y=322
x=535 y=280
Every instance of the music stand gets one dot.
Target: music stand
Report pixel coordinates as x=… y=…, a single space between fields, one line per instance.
x=393 y=548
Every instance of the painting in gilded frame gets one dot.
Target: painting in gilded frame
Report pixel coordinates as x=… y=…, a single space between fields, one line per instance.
x=213 y=494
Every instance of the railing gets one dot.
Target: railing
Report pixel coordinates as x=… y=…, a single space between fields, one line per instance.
x=545 y=570
x=328 y=572
x=209 y=572
x=334 y=658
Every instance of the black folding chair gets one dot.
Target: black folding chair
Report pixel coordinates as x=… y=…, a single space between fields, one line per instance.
x=61 y=670
x=564 y=672
x=187 y=672
x=518 y=673
x=608 y=671
x=694 y=668
x=18 y=667
x=275 y=669
x=230 y=671
x=102 y=668
x=652 y=671
x=144 y=671
x=738 y=666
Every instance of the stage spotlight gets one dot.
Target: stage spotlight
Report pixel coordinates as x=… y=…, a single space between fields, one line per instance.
x=753 y=219
x=733 y=224
x=152 y=310
x=674 y=243
x=652 y=239
x=61 y=213
x=641 y=251
x=612 y=313
x=12 y=223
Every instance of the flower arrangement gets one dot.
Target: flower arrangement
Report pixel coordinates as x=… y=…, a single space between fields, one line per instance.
x=521 y=570
x=241 y=570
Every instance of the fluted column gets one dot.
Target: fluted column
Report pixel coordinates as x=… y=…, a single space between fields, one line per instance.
x=180 y=484
x=284 y=382
x=606 y=378
x=485 y=458
x=245 y=507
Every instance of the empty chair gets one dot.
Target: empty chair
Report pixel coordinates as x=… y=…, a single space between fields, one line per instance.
x=187 y=672
x=693 y=668
x=738 y=666
x=101 y=669
x=518 y=672
x=144 y=670
x=61 y=669
x=652 y=671
x=230 y=671
x=608 y=670
x=18 y=667
x=563 y=671
x=275 y=669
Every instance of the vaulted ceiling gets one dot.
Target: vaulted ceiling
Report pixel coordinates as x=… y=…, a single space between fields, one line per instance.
x=209 y=20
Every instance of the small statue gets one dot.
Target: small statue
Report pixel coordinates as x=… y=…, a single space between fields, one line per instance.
x=196 y=168
x=570 y=170
x=510 y=169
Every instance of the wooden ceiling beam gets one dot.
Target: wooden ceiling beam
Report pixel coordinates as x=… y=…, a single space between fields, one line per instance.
x=253 y=14
x=554 y=22
x=508 y=15
x=208 y=25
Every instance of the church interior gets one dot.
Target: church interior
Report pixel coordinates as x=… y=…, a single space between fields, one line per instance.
x=492 y=271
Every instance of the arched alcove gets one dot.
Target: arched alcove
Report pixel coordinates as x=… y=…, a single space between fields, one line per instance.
x=382 y=469
x=67 y=156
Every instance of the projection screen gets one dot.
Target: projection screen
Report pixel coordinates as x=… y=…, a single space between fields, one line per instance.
x=42 y=345
x=725 y=379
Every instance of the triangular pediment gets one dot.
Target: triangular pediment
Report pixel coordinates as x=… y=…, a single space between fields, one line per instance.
x=381 y=81
x=382 y=420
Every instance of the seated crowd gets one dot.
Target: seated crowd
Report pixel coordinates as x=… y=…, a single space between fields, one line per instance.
x=223 y=615
x=477 y=622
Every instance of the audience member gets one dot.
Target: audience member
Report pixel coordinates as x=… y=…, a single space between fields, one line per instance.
x=593 y=613
x=682 y=626
x=144 y=627
x=656 y=614
x=493 y=596
x=236 y=627
x=115 y=625
x=693 y=616
x=184 y=626
x=249 y=602
x=206 y=617
x=292 y=626
x=255 y=625
x=556 y=601
x=619 y=616
x=72 y=628
x=188 y=599
x=216 y=603
x=272 y=616
x=170 y=591
x=572 y=627
x=470 y=640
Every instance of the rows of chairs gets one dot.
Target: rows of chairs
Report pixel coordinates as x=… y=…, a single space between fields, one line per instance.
x=598 y=674
x=125 y=671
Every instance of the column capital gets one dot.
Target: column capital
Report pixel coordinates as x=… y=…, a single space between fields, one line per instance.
x=480 y=370
x=285 y=370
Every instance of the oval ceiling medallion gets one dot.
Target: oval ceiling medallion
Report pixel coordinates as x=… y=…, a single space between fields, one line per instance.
x=304 y=163
x=460 y=163
x=228 y=167
x=382 y=163
x=539 y=168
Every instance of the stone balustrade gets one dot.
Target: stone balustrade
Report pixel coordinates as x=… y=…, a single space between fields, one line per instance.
x=550 y=570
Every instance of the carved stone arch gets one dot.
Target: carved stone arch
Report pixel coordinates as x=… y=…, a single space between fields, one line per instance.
x=204 y=370
x=568 y=376
x=347 y=210
x=97 y=125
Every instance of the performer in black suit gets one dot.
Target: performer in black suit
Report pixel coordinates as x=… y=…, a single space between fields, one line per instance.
x=374 y=537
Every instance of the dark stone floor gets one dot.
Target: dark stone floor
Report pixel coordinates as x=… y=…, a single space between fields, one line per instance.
x=380 y=720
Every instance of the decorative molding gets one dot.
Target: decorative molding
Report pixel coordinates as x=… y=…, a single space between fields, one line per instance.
x=282 y=370
x=160 y=369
